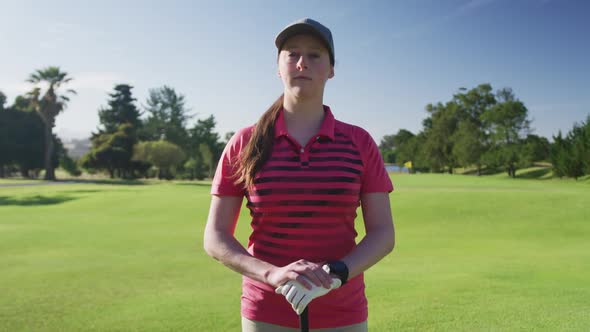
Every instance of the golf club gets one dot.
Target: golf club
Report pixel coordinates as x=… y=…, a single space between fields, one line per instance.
x=304 y=320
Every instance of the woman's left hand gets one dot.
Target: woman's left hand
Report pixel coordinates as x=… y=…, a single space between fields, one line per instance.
x=307 y=273
x=299 y=296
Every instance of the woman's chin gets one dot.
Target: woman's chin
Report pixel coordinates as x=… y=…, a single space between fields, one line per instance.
x=302 y=93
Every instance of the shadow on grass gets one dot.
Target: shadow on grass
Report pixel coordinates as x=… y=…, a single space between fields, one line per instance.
x=484 y=171
x=35 y=200
x=86 y=191
x=114 y=182
x=538 y=174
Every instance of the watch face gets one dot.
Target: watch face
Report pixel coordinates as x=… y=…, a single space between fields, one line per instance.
x=336 y=266
x=340 y=269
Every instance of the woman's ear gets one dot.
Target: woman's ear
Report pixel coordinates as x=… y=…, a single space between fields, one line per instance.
x=331 y=72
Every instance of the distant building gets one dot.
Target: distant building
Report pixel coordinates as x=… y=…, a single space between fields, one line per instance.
x=76 y=148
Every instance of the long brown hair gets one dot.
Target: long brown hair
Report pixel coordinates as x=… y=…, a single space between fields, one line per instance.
x=257 y=150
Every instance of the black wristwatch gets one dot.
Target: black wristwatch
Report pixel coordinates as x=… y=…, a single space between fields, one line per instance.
x=340 y=269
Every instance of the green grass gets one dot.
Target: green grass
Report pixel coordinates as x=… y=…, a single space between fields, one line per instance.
x=472 y=254
x=18 y=181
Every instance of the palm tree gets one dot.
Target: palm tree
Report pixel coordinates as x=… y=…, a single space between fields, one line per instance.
x=49 y=106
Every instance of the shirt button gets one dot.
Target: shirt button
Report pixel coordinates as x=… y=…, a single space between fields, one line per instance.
x=317 y=138
x=302 y=150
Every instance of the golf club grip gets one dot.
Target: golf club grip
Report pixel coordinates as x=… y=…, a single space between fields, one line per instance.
x=304 y=321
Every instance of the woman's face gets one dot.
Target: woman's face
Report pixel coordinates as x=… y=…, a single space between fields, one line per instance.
x=304 y=66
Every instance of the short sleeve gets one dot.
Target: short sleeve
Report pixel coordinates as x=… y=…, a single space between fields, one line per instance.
x=374 y=177
x=225 y=176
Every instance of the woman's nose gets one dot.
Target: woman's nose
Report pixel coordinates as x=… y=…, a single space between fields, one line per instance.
x=301 y=64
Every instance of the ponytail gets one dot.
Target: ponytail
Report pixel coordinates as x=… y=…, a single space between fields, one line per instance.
x=258 y=149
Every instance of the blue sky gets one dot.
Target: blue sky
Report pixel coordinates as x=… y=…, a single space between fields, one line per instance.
x=392 y=57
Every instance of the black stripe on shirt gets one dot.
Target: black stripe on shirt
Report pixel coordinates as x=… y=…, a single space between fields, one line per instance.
x=305 y=191
x=343 y=159
x=314 y=168
x=335 y=150
x=299 y=203
x=305 y=179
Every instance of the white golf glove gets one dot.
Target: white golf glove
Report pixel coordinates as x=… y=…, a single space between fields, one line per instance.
x=300 y=297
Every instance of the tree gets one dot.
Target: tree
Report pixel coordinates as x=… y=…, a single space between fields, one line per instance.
x=537 y=148
x=579 y=138
x=112 y=145
x=579 y=150
x=570 y=155
x=167 y=117
x=208 y=159
x=69 y=165
x=22 y=140
x=413 y=150
x=121 y=110
x=49 y=106
x=586 y=139
x=387 y=148
x=467 y=144
x=23 y=104
x=509 y=124
x=475 y=102
x=2 y=100
x=560 y=155
x=112 y=152
x=439 y=145
x=166 y=156
x=476 y=127
x=390 y=144
x=192 y=167
x=202 y=133
x=471 y=139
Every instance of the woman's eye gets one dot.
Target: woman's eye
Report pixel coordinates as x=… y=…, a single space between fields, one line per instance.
x=293 y=54
x=314 y=55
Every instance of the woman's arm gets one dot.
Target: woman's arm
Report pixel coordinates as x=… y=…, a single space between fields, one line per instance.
x=380 y=234
x=220 y=243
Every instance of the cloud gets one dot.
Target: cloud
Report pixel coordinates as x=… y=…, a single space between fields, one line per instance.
x=13 y=89
x=470 y=6
x=558 y=107
x=433 y=22
x=58 y=34
x=83 y=81
x=61 y=28
x=101 y=81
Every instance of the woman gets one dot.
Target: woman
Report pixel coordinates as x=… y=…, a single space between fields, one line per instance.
x=304 y=174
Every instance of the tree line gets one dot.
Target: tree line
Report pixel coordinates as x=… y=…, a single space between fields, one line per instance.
x=125 y=144
x=485 y=131
x=477 y=128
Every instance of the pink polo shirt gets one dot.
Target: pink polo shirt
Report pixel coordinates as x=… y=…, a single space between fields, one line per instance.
x=303 y=206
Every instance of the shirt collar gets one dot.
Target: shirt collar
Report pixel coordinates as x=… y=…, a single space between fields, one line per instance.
x=326 y=129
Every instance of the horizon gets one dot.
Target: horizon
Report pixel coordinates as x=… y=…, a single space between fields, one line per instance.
x=221 y=57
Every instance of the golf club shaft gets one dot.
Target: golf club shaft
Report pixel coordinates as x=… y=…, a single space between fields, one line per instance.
x=304 y=321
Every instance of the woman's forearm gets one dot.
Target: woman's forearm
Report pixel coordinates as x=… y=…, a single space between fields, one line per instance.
x=220 y=243
x=229 y=251
x=373 y=247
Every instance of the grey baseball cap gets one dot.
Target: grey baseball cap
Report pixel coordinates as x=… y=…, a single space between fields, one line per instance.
x=303 y=26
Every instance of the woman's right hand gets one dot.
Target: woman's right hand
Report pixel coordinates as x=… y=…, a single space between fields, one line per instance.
x=301 y=271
